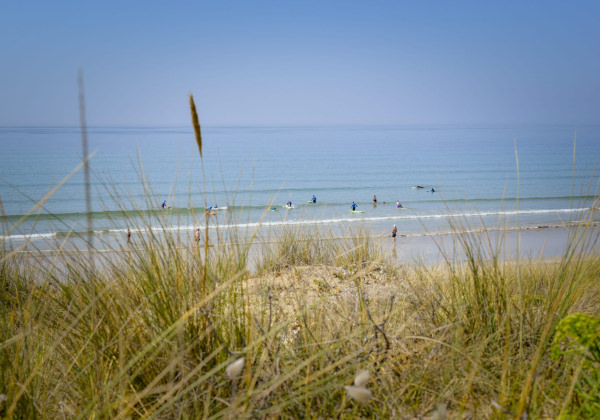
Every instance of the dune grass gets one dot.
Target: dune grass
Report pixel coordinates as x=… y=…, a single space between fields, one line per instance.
x=136 y=336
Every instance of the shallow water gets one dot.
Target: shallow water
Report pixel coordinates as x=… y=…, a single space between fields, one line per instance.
x=502 y=175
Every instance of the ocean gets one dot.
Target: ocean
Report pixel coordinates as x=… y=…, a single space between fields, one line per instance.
x=510 y=176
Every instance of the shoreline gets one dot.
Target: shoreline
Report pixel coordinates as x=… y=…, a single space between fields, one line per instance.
x=543 y=241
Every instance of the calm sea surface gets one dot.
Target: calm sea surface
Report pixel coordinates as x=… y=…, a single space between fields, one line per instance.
x=474 y=170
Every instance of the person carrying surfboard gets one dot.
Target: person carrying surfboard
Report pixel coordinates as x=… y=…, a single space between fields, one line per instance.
x=354 y=205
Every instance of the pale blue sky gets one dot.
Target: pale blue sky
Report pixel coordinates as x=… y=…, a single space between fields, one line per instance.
x=300 y=62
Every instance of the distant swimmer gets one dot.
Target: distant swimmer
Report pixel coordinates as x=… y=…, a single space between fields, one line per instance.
x=164 y=205
x=431 y=190
x=374 y=199
x=314 y=199
x=418 y=187
x=354 y=205
x=398 y=205
x=273 y=208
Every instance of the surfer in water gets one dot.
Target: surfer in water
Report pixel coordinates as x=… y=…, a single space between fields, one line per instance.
x=398 y=204
x=164 y=205
x=289 y=204
x=354 y=205
x=374 y=199
x=314 y=198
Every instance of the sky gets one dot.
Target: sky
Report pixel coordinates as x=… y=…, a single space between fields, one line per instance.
x=300 y=62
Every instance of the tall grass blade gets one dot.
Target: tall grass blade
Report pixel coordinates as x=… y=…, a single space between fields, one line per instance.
x=86 y=166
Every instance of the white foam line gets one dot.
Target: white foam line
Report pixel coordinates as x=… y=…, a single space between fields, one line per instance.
x=31 y=236
x=34 y=236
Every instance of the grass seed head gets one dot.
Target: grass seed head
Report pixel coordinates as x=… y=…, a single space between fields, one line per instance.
x=440 y=412
x=359 y=393
x=235 y=368
x=362 y=378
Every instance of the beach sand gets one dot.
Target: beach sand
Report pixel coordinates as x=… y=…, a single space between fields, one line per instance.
x=435 y=248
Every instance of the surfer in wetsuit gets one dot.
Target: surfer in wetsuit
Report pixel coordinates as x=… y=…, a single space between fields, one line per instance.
x=353 y=206
x=314 y=199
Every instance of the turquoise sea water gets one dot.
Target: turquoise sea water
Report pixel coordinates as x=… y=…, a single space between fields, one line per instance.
x=477 y=174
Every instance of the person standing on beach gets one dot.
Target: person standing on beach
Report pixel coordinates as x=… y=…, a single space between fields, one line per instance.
x=197 y=237
x=394 y=232
x=128 y=236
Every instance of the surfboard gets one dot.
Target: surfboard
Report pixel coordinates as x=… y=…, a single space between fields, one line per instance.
x=357 y=211
x=289 y=207
x=220 y=208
